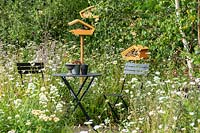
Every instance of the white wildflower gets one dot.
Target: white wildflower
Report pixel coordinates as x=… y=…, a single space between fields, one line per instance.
x=134 y=131
x=59 y=107
x=161 y=112
x=97 y=127
x=56 y=119
x=43 y=89
x=191 y=113
x=157 y=73
x=125 y=130
x=192 y=124
x=17 y=102
x=161 y=98
x=43 y=117
x=151 y=113
x=127 y=91
x=37 y=112
x=183 y=129
x=192 y=83
x=160 y=126
x=28 y=123
x=167 y=81
x=141 y=119
x=17 y=116
x=118 y=104
x=134 y=79
x=175 y=118
x=88 y=122
x=53 y=89
x=156 y=78
x=114 y=62
x=149 y=82
x=197 y=80
x=107 y=121
x=43 y=98
x=84 y=132
x=11 y=131
x=1 y=111
x=31 y=87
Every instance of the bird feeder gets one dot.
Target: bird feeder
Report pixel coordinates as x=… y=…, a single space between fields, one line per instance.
x=135 y=52
x=87 y=30
x=88 y=12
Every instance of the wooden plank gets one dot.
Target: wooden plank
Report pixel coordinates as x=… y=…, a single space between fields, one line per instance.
x=138 y=69
x=136 y=72
x=136 y=65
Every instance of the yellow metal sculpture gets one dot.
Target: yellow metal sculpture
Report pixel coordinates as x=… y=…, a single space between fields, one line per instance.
x=88 y=12
x=135 y=52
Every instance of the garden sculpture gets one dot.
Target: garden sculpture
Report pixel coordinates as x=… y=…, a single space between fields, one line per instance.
x=88 y=30
x=87 y=13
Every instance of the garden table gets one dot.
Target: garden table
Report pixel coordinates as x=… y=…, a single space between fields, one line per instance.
x=78 y=94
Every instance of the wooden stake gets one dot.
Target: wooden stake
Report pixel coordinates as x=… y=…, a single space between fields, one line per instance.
x=82 y=55
x=82 y=49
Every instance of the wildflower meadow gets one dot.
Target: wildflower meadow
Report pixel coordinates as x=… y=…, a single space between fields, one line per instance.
x=165 y=100
x=162 y=105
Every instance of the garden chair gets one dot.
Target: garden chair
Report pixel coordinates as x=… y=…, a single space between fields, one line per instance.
x=129 y=69
x=27 y=68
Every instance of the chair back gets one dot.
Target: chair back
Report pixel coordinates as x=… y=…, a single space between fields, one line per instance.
x=25 y=68
x=137 y=69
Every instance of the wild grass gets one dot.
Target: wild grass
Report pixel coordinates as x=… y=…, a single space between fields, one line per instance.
x=163 y=104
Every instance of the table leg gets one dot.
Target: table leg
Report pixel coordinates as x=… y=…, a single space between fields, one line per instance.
x=87 y=88
x=85 y=91
x=81 y=87
x=76 y=98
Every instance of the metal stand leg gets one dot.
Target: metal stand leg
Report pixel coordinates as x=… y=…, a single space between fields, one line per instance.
x=81 y=87
x=76 y=98
x=84 y=91
x=112 y=109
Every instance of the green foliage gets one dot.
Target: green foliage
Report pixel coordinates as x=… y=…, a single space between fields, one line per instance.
x=152 y=23
x=28 y=20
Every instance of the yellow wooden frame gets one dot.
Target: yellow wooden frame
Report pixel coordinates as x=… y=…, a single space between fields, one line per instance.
x=88 y=31
x=135 y=52
x=87 y=12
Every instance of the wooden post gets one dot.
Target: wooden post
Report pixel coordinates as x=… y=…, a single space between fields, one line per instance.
x=82 y=54
x=82 y=49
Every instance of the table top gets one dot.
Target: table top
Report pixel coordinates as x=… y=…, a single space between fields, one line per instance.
x=73 y=75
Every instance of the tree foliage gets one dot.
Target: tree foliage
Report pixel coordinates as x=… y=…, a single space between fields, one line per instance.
x=151 y=23
x=122 y=23
x=35 y=20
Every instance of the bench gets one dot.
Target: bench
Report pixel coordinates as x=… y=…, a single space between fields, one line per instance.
x=27 y=68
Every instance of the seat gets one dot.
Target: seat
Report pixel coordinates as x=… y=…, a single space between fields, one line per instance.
x=129 y=69
x=33 y=68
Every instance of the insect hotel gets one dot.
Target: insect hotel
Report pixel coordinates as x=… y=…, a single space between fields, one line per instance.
x=135 y=52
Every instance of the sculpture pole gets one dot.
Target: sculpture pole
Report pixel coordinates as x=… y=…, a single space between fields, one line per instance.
x=82 y=49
